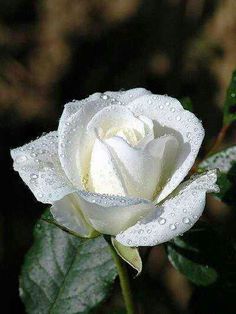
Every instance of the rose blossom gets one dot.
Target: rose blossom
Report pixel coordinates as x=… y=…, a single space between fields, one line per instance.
x=115 y=166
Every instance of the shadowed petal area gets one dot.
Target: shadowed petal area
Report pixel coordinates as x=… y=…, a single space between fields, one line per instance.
x=68 y=214
x=176 y=215
x=39 y=167
x=169 y=117
x=75 y=143
x=110 y=214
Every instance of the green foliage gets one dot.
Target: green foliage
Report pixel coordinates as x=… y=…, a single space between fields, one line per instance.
x=65 y=274
x=230 y=101
x=187 y=103
x=205 y=256
x=189 y=254
x=225 y=161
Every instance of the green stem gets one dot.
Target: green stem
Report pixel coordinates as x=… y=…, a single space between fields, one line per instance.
x=219 y=139
x=124 y=281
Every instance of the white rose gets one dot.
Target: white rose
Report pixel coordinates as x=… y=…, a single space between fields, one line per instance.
x=115 y=165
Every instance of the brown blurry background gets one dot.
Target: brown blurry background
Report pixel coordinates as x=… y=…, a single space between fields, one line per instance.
x=53 y=51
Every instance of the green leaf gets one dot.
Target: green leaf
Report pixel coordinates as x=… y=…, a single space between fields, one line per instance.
x=129 y=254
x=230 y=101
x=225 y=161
x=187 y=103
x=193 y=255
x=65 y=274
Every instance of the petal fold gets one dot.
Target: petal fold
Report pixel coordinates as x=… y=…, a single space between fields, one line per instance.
x=67 y=213
x=177 y=214
x=110 y=214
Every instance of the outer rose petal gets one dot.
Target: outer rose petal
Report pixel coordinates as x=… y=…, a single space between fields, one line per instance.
x=176 y=215
x=75 y=142
x=68 y=214
x=39 y=167
x=169 y=117
x=110 y=214
x=124 y=97
x=121 y=97
x=74 y=106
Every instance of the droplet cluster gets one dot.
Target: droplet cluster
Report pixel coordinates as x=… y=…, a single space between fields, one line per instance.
x=39 y=166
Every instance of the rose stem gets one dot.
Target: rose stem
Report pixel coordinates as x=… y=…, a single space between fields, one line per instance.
x=215 y=147
x=219 y=139
x=124 y=281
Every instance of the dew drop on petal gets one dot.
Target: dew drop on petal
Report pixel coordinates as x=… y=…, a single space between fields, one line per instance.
x=186 y=220
x=172 y=227
x=33 y=176
x=21 y=159
x=162 y=221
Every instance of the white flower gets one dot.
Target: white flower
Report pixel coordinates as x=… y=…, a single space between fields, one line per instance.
x=115 y=165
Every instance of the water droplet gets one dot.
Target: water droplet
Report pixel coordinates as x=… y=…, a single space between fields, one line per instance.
x=33 y=176
x=178 y=118
x=186 y=220
x=172 y=227
x=21 y=159
x=104 y=96
x=161 y=221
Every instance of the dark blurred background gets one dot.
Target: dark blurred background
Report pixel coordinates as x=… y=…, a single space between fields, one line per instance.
x=53 y=51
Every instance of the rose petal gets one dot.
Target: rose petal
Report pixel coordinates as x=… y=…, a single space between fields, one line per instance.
x=116 y=118
x=75 y=142
x=39 y=167
x=110 y=214
x=124 y=97
x=169 y=117
x=67 y=213
x=175 y=216
x=104 y=174
x=139 y=169
x=74 y=106
x=165 y=149
x=120 y=97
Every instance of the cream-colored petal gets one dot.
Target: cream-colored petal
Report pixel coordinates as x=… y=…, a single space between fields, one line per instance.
x=139 y=169
x=39 y=167
x=169 y=117
x=67 y=213
x=104 y=174
x=178 y=213
x=110 y=214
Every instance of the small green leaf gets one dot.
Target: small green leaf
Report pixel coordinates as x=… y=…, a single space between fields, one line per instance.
x=65 y=274
x=128 y=254
x=192 y=256
x=187 y=103
x=230 y=101
x=225 y=161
